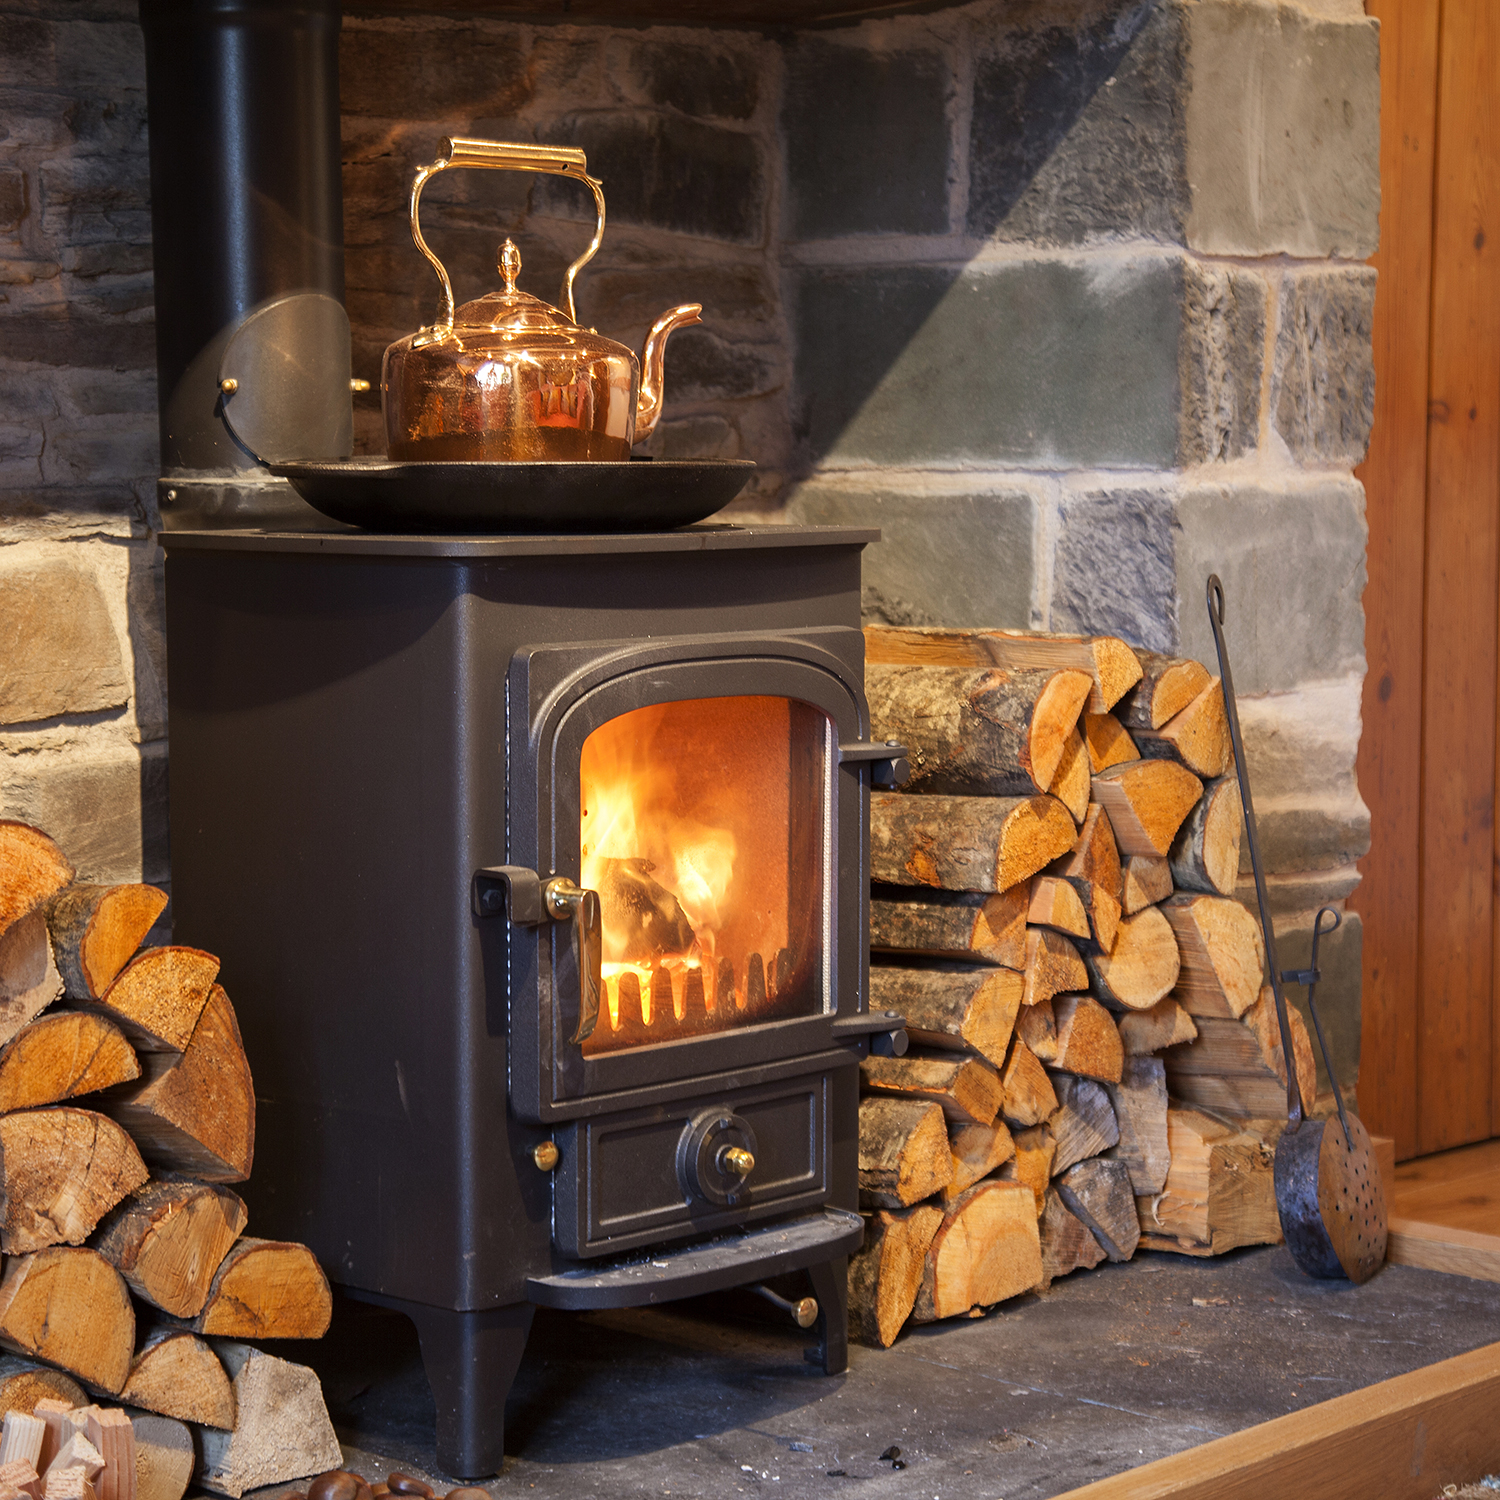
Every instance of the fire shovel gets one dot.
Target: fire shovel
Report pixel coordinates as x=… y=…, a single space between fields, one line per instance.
x=1329 y=1196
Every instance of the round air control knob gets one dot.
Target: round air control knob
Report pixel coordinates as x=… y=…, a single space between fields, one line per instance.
x=715 y=1157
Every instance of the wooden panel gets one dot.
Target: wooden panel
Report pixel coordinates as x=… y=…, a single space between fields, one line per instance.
x=1456 y=1055
x=1395 y=479
x=1403 y=1439
x=1441 y=1247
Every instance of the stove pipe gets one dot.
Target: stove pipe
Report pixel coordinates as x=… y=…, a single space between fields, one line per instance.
x=248 y=246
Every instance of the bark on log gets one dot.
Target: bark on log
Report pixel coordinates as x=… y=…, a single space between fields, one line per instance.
x=886 y=1273
x=1112 y=665
x=904 y=1154
x=1147 y=801
x=196 y=1113
x=61 y=1171
x=1084 y=1123
x=1196 y=737
x=1037 y=1027
x=1168 y=684
x=177 y=1375
x=62 y=1056
x=1028 y=1095
x=95 y=930
x=1108 y=741
x=72 y=1309
x=169 y=1238
x=281 y=1432
x=267 y=1289
x=989 y=732
x=965 y=843
x=1052 y=966
x=1206 y=852
x=1238 y=1067
x=964 y=1088
x=158 y=998
x=23 y=1384
x=1071 y=784
x=1222 y=958
x=1032 y=1164
x=977 y=1150
x=29 y=981
x=1164 y=1025
x=32 y=870
x=163 y=1457
x=963 y=1009
x=985 y=1250
x=951 y=924
x=1220 y=1192
x=1088 y=1042
x=1145 y=879
x=1067 y=1243
x=1098 y=1192
x=1140 y=1104
x=1143 y=965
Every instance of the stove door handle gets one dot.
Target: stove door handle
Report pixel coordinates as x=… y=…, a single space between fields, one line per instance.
x=566 y=902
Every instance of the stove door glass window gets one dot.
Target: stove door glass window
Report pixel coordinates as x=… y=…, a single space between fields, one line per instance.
x=704 y=830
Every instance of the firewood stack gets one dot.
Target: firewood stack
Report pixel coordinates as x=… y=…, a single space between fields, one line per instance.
x=126 y=1106
x=1052 y=911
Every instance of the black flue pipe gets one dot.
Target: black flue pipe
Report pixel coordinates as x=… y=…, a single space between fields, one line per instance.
x=246 y=203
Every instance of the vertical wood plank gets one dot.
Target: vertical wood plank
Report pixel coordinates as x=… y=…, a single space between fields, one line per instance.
x=1456 y=1037
x=1395 y=480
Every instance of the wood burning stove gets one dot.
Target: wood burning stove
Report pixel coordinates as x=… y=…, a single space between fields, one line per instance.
x=539 y=866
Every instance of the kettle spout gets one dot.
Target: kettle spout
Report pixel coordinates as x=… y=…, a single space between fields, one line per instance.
x=648 y=405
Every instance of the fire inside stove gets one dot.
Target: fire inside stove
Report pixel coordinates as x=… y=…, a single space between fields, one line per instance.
x=703 y=829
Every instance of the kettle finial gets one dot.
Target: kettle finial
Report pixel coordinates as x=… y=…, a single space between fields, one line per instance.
x=510 y=264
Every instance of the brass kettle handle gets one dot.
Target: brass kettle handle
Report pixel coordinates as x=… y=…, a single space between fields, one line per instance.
x=464 y=151
x=566 y=902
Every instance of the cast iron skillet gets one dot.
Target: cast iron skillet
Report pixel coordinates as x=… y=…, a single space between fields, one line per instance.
x=641 y=495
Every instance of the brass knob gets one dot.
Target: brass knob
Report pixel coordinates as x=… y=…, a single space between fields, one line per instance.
x=359 y=385
x=737 y=1160
x=546 y=1156
x=805 y=1312
x=229 y=385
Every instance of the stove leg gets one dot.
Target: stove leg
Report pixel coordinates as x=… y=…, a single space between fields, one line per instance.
x=831 y=1287
x=471 y=1359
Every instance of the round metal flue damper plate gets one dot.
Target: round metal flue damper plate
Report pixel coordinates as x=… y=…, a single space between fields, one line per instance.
x=1351 y=1198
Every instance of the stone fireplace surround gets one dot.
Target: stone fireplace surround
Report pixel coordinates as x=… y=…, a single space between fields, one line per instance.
x=1067 y=296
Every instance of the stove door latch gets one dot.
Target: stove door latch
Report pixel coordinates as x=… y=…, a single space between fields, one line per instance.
x=529 y=901
x=878 y=1033
x=888 y=763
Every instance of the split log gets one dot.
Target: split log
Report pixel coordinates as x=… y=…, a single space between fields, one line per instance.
x=965 y=843
x=158 y=998
x=952 y=924
x=29 y=981
x=885 y=1275
x=1108 y=742
x=1167 y=685
x=1094 y=857
x=1056 y=904
x=1084 y=1123
x=985 y=1250
x=61 y=1171
x=904 y=1154
x=1067 y=1243
x=1052 y=966
x=267 y=1289
x=964 y=1088
x=1029 y=1097
x=61 y=1056
x=111 y=1433
x=1220 y=943
x=1071 y=784
x=95 y=930
x=19 y=1481
x=21 y=1439
x=282 y=1431
x=977 y=1150
x=1098 y=1193
x=1145 y=879
x=964 y=1009
x=1220 y=1190
x=32 y=870
x=178 y=1375
x=1113 y=666
x=1143 y=966
x=1164 y=1025
x=57 y=1417
x=989 y=732
x=1238 y=1067
x=163 y=1457
x=1088 y=1042
x=1206 y=852
x=71 y=1483
x=1037 y=1027
x=1196 y=737
x=72 y=1309
x=78 y=1453
x=1036 y=1149
x=196 y=1113
x=23 y=1384
x=169 y=1238
x=1147 y=801
x=1140 y=1104
x=1102 y=912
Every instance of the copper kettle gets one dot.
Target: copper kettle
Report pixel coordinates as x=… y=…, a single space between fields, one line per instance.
x=509 y=378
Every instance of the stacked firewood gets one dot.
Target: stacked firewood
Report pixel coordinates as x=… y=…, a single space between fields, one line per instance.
x=1052 y=911
x=126 y=1106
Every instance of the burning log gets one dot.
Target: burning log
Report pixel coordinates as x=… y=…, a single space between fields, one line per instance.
x=641 y=915
x=62 y=1056
x=71 y=1308
x=966 y=1089
x=95 y=930
x=1206 y=852
x=1142 y=967
x=1036 y=1149
x=157 y=998
x=952 y=924
x=886 y=1274
x=29 y=980
x=904 y=1154
x=1147 y=801
x=1222 y=963
x=952 y=1008
x=32 y=869
x=1196 y=737
x=1108 y=741
x=1238 y=1066
x=178 y=1375
x=1167 y=685
x=1145 y=879
x=985 y=1250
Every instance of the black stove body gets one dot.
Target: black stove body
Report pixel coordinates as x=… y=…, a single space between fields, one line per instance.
x=514 y=1040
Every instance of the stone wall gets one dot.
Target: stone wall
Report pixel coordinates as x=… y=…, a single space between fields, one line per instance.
x=1065 y=295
